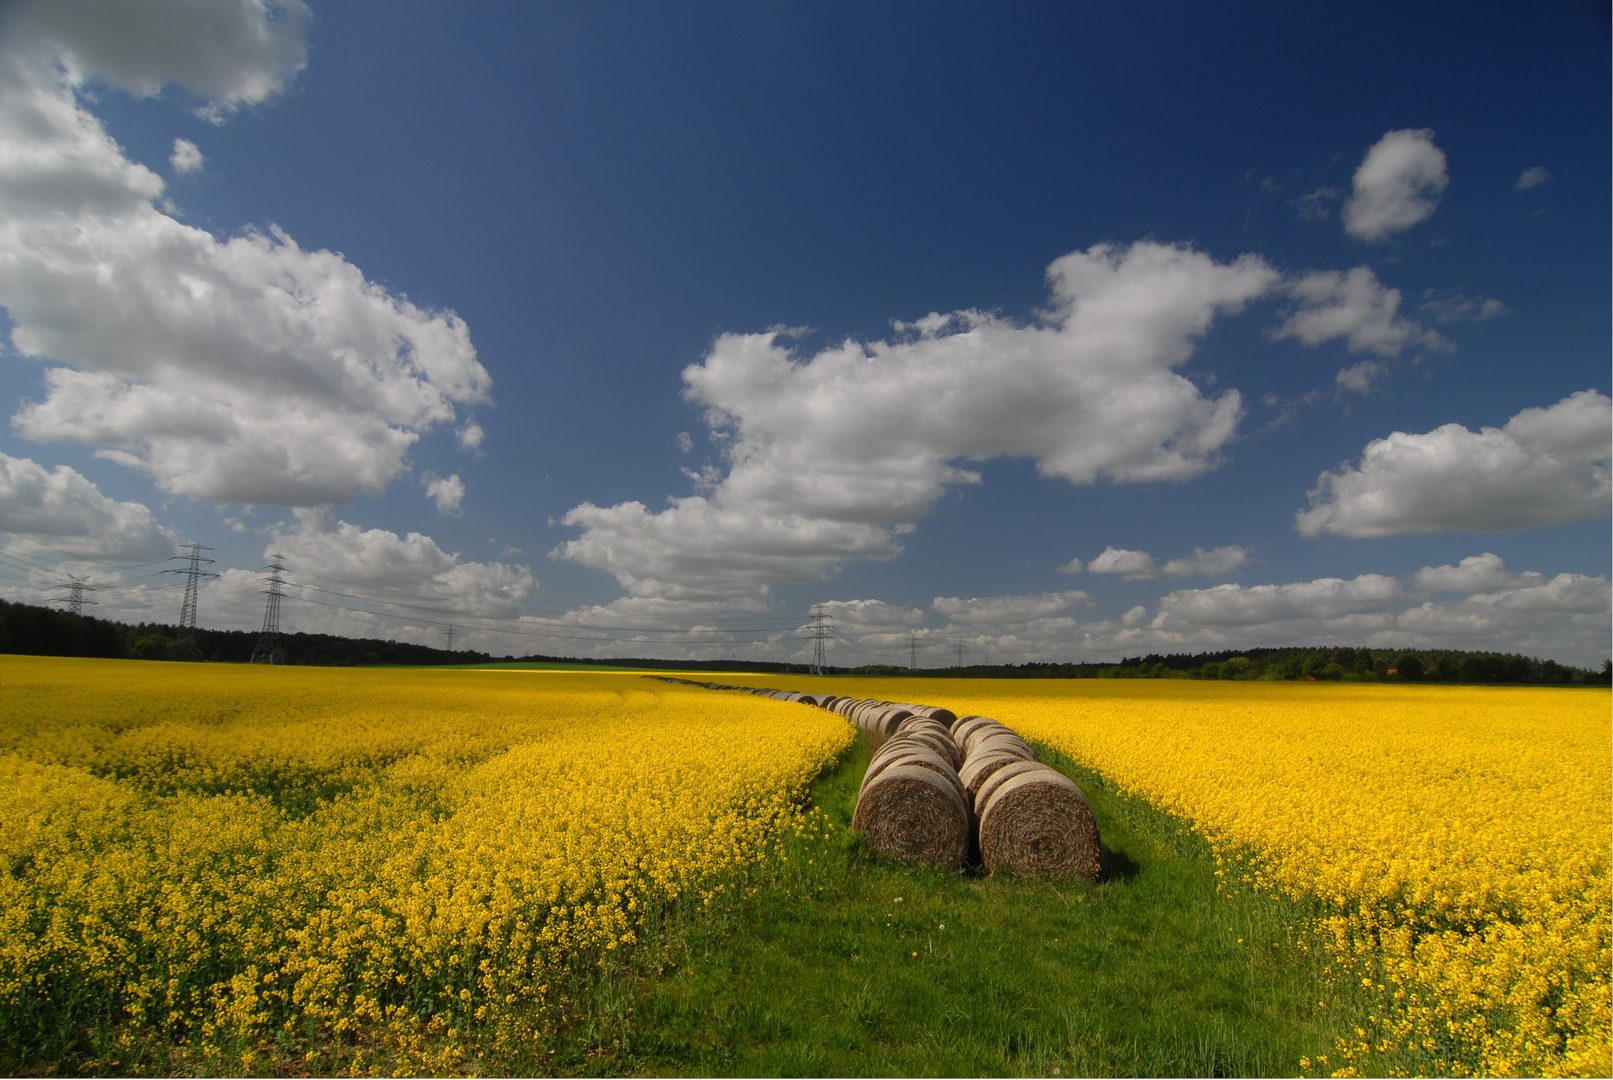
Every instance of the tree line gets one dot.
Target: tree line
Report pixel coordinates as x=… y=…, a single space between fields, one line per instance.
x=27 y=629
x=1341 y=664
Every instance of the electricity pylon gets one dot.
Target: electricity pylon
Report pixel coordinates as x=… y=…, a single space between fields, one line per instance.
x=819 y=628
x=187 y=610
x=75 y=594
x=912 y=650
x=268 y=647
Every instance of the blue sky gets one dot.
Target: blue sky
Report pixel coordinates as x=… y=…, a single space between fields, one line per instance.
x=1058 y=332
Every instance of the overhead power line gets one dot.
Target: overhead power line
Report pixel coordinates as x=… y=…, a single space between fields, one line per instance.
x=820 y=628
x=187 y=610
x=267 y=650
x=76 y=588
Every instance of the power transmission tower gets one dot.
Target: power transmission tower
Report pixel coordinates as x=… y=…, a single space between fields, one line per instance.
x=187 y=611
x=960 y=652
x=450 y=637
x=75 y=594
x=819 y=628
x=268 y=647
x=912 y=650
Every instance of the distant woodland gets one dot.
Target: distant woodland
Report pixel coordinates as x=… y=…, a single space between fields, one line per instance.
x=39 y=631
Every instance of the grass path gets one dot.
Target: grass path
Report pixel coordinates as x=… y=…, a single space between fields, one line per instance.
x=838 y=964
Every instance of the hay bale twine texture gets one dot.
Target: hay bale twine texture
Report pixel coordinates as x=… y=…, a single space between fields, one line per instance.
x=980 y=767
x=1001 y=743
x=1039 y=822
x=989 y=785
x=913 y=814
x=918 y=756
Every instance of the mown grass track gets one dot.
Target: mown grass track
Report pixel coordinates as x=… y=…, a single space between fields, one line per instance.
x=1147 y=972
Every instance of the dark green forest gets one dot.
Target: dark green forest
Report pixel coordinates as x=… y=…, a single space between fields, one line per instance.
x=39 y=631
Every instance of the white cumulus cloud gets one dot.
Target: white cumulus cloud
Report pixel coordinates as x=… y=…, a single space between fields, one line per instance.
x=229 y=53
x=829 y=457
x=1546 y=466
x=187 y=156
x=1397 y=185
x=1451 y=307
x=61 y=513
x=1532 y=177
x=1474 y=574
x=1274 y=605
x=1012 y=609
x=1218 y=562
x=1141 y=566
x=1362 y=377
x=323 y=552
x=1356 y=306
x=1131 y=565
x=1568 y=617
x=246 y=369
x=448 y=492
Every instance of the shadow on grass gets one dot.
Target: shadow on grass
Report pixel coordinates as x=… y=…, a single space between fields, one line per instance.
x=1116 y=865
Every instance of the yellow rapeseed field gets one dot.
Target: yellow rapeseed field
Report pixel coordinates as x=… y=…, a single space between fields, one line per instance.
x=1456 y=838
x=256 y=862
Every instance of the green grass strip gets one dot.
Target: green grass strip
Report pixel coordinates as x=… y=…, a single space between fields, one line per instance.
x=833 y=962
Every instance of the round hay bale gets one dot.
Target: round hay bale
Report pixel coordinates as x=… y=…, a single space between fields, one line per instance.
x=1002 y=741
x=936 y=713
x=913 y=815
x=936 y=734
x=979 y=768
x=886 y=720
x=973 y=727
x=1040 y=823
x=921 y=758
x=999 y=777
x=988 y=787
x=896 y=743
x=918 y=725
x=962 y=720
x=923 y=742
x=945 y=747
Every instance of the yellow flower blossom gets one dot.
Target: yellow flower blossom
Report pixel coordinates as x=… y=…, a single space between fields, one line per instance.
x=211 y=852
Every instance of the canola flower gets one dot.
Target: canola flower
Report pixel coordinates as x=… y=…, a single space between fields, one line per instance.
x=1456 y=839
x=256 y=862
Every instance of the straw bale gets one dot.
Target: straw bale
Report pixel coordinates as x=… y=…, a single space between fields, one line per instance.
x=937 y=713
x=861 y=714
x=977 y=769
x=897 y=743
x=1006 y=740
x=936 y=737
x=965 y=728
x=916 y=756
x=913 y=815
x=984 y=790
x=962 y=720
x=940 y=744
x=1039 y=822
x=919 y=723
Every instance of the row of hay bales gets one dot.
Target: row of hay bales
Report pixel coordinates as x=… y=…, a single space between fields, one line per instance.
x=942 y=789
